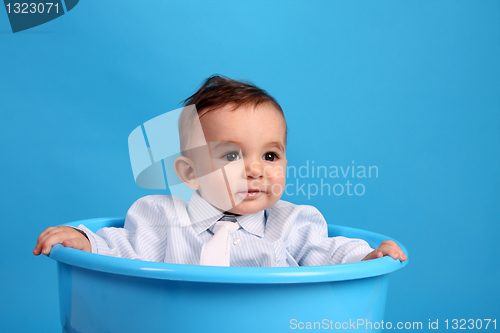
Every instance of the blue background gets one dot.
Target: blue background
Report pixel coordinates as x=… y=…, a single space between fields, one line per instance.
x=412 y=87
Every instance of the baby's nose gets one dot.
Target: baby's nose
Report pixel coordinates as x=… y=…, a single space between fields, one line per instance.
x=253 y=169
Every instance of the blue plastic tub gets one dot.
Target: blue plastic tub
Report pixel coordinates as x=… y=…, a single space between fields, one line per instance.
x=106 y=294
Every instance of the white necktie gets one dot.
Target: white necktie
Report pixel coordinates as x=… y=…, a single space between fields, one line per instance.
x=217 y=250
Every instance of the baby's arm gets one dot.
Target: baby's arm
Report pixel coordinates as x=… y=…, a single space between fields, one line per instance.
x=316 y=243
x=309 y=244
x=143 y=236
x=387 y=248
x=67 y=236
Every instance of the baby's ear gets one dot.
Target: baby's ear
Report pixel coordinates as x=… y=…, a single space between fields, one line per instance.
x=184 y=168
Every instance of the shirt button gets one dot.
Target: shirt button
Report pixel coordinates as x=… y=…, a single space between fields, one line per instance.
x=237 y=242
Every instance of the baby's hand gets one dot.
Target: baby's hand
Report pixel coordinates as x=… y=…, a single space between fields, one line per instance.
x=65 y=235
x=387 y=248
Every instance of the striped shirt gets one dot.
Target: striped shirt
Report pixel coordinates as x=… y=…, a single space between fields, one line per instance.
x=166 y=229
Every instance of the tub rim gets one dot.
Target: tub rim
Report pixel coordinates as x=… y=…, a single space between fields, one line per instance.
x=247 y=275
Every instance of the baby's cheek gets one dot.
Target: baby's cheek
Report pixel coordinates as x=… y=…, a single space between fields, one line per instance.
x=278 y=175
x=281 y=171
x=278 y=181
x=214 y=190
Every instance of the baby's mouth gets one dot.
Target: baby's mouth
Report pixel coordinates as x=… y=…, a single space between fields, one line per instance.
x=251 y=193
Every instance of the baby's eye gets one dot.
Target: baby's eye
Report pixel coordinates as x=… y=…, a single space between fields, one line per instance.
x=270 y=156
x=231 y=156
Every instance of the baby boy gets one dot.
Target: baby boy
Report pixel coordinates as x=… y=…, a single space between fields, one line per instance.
x=233 y=145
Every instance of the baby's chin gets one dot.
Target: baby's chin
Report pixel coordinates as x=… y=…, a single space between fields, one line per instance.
x=246 y=206
x=243 y=211
x=252 y=207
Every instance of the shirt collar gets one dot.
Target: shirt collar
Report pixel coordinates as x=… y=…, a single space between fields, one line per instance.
x=203 y=216
x=253 y=223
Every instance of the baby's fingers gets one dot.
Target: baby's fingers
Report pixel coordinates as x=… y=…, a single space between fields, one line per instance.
x=50 y=240
x=387 y=248
x=46 y=232
x=40 y=243
x=52 y=236
x=390 y=248
x=43 y=236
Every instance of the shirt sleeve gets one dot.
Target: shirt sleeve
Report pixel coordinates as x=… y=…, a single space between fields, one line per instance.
x=143 y=236
x=311 y=246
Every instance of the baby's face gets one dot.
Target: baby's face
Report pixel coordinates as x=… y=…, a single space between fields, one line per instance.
x=248 y=144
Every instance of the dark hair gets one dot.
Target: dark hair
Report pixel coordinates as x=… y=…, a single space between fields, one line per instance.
x=218 y=91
